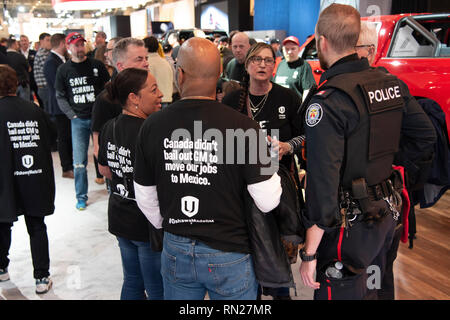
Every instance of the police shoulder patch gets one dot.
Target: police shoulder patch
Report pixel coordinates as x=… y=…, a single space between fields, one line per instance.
x=324 y=93
x=313 y=115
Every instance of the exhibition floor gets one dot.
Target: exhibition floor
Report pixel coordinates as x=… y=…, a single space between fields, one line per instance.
x=85 y=259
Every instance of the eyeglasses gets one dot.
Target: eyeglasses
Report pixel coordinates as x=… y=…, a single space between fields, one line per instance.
x=267 y=61
x=365 y=46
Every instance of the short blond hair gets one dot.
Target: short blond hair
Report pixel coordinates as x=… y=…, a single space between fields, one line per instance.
x=368 y=34
x=340 y=24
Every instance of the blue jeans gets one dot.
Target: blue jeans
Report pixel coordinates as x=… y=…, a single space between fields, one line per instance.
x=81 y=131
x=24 y=92
x=191 y=268
x=43 y=94
x=141 y=271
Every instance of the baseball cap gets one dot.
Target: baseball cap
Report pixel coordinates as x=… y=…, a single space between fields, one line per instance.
x=74 y=37
x=291 y=39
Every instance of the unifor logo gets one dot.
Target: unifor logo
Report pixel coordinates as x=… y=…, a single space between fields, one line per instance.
x=27 y=161
x=189 y=206
x=122 y=190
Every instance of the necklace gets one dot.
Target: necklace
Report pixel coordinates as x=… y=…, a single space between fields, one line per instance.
x=256 y=109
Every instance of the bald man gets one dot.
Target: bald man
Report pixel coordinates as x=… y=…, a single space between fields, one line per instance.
x=239 y=46
x=183 y=185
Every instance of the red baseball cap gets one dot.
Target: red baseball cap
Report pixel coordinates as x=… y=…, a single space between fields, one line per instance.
x=74 y=37
x=291 y=39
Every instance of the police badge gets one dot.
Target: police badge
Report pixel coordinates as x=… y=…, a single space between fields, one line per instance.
x=313 y=115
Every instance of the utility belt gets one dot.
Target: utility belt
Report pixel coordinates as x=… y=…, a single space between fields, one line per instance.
x=371 y=203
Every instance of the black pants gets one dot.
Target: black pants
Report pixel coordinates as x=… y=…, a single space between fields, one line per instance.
x=64 y=141
x=371 y=253
x=37 y=231
x=97 y=172
x=387 y=291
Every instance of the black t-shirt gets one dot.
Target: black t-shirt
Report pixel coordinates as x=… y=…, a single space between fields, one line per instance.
x=201 y=200
x=103 y=111
x=81 y=83
x=279 y=111
x=125 y=219
x=235 y=70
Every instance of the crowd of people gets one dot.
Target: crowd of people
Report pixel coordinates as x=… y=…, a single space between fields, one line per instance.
x=179 y=187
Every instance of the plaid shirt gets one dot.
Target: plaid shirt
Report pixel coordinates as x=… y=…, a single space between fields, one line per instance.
x=38 y=67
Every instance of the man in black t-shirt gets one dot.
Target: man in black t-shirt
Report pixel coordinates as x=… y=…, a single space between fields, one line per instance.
x=78 y=82
x=126 y=53
x=184 y=184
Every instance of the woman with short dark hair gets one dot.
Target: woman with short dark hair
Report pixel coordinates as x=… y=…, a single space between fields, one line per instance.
x=136 y=90
x=27 y=183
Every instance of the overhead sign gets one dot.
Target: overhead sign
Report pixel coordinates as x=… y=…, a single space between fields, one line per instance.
x=72 y=5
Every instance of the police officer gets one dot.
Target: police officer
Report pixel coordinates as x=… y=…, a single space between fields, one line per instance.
x=353 y=126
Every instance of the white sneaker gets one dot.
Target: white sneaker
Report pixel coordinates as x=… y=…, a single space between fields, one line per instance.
x=43 y=285
x=4 y=275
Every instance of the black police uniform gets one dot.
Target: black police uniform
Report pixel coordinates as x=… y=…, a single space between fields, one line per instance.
x=353 y=125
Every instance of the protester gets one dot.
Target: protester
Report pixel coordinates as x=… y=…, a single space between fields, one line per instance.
x=78 y=82
x=203 y=219
x=27 y=186
x=127 y=53
x=274 y=107
x=136 y=90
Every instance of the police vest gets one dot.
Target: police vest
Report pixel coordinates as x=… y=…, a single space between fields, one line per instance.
x=370 y=148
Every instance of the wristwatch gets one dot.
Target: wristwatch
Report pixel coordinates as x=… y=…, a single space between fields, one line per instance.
x=305 y=257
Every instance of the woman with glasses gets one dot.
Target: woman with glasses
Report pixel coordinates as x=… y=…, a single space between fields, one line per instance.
x=274 y=107
x=138 y=94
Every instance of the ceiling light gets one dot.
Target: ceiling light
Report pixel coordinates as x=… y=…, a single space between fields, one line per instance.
x=21 y=9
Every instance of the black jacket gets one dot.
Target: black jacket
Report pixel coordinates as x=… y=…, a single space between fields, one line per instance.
x=438 y=179
x=50 y=66
x=268 y=232
x=20 y=64
x=27 y=184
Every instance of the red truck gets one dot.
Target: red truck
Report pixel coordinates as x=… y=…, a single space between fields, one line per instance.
x=415 y=48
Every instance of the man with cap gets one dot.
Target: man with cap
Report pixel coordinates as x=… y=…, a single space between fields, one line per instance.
x=78 y=82
x=293 y=72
